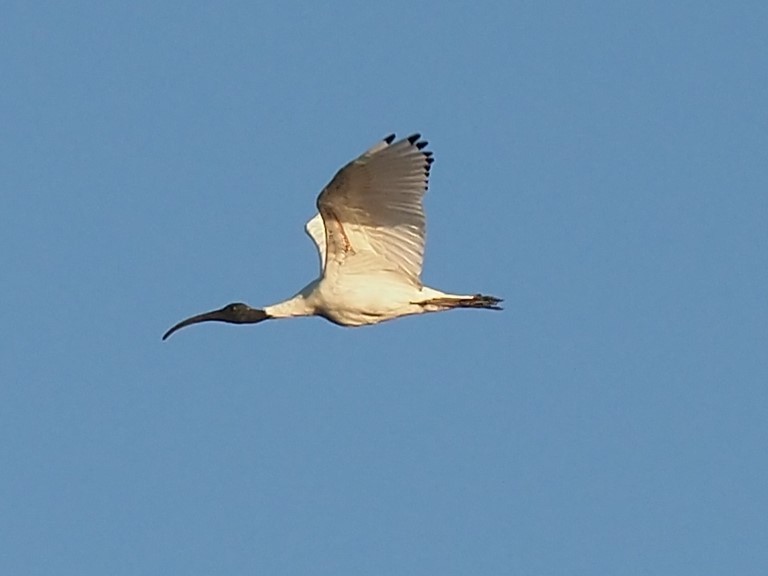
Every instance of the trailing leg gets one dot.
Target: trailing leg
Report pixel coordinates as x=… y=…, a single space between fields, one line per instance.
x=448 y=302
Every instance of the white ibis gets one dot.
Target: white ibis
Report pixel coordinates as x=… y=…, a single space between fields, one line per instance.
x=370 y=235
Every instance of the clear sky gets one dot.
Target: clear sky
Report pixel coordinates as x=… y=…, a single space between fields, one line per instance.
x=602 y=166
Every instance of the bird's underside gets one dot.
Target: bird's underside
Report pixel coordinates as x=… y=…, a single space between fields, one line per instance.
x=388 y=301
x=366 y=317
x=370 y=236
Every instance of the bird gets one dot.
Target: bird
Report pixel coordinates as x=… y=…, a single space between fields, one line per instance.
x=370 y=233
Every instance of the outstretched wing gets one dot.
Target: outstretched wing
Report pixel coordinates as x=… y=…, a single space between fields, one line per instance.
x=372 y=211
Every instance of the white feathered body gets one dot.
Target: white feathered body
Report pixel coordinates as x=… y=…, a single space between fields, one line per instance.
x=360 y=301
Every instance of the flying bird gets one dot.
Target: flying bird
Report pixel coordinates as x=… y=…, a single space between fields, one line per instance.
x=370 y=234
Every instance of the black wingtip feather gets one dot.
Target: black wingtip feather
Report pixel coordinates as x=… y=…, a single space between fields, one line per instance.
x=413 y=138
x=389 y=139
x=421 y=145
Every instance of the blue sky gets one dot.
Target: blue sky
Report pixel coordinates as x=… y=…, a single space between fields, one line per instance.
x=601 y=166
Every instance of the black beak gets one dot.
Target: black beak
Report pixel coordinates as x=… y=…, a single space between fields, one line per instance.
x=215 y=316
x=233 y=314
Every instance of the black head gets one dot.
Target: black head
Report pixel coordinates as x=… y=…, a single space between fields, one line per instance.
x=235 y=313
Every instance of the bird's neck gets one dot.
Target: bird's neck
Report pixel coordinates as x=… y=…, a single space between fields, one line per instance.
x=296 y=306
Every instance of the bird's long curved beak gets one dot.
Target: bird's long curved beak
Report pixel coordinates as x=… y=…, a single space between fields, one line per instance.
x=213 y=316
x=235 y=313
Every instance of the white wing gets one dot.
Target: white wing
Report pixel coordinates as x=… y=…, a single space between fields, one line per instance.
x=372 y=211
x=316 y=230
